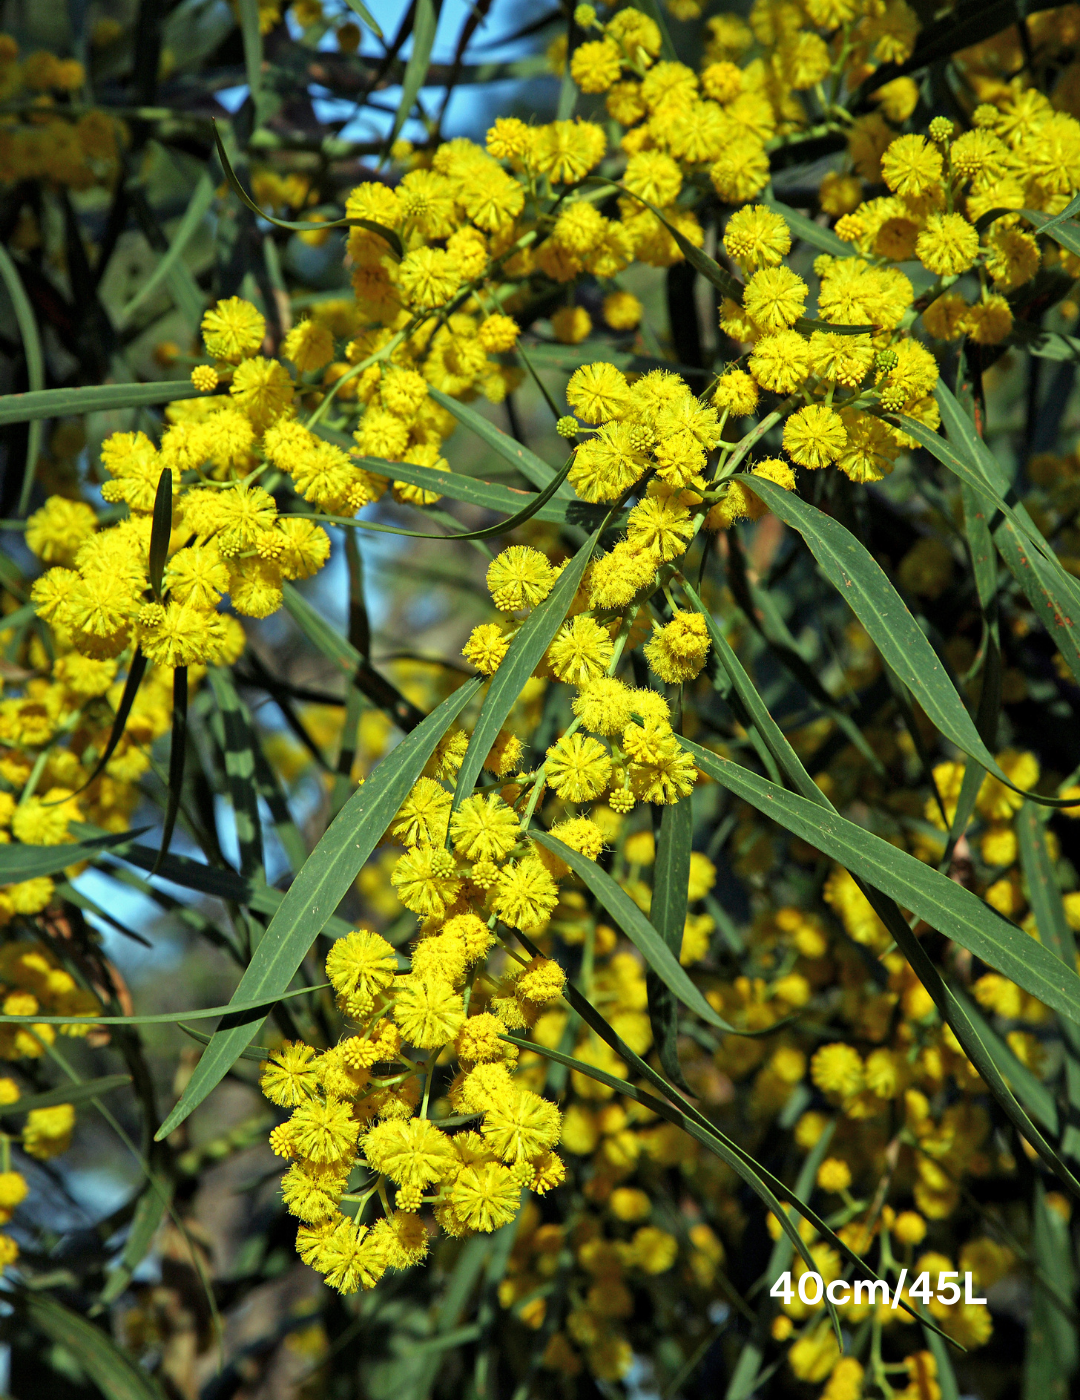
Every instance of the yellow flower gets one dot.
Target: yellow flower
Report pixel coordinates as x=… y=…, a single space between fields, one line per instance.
x=233 y=329
x=815 y=436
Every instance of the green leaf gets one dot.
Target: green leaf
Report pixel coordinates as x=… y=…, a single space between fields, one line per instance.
x=239 y=753
x=362 y=12
x=136 y=671
x=943 y=903
x=160 y=531
x=162 y=1018
x=201 y=200
x=528 y=646
x=770 y=1189
x=423 y=37
x=811 y=232
x=341 y=651
x=757 y=711
x=66 y=1093
x=19 y=862
x=488 y=494
x=528 y=463
x=641 y=933
x=1028 y=1088
x=35 y=367
x=973 y=462
x=1062 y=228
x=1050 y=345
x=324 y=880
x=709 y=268
x=955 y=1012
x=489 y=532
x=304 y=226
x=866 y=589
x=177 y=753
x=251 y=35
x=257 y=1053
x=1039 y=584
x=1050 y=1357
x=149 y=1213
x=113 y=1371
x=667 y=915
x=75 y=403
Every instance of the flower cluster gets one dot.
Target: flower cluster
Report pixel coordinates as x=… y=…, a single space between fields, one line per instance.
x=38 y=139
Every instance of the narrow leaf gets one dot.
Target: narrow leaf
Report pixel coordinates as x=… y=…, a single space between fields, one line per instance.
x=177 y=750
x=113 y=1371
x=362 y=12
x=67 y=1093
x=1039 y=584
x=1062 y=228
x=811 y=232
x=944 y=904
x=19 y=862
x=75 y=403
x=866 y=589
x=489 y=532
x=528 y=463
x=239 y=754
x=35 y=365
x=423 y=39
x=251 y=35
x=318 y=889
x=160 y=530
x=667 y=915
x=304 y=226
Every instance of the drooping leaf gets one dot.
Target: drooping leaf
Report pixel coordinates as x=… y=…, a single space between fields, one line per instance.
x=75 y=403
x=113 y=1371
x=149 y=1213
x=528 y=463
x=667 y=915
x=177 y=753
x=362 y=12
x=251 y=36
x=66 y=1093
x=160 y=531
x=645 y=938
x=239 y=754
x=19 y=862
x=944 y=904
x=303 y=226
x=425 y=23
x=866 y=589
x=953 y=1009
x=344 y=655
x=1040 y=586
x=491 y=495
x=812 y=232
x=522 y=658
x=1028 y=1088
x=35 y=367
x=316 y=892
x=159 y=1018
x=489 y=532
x=1050 y=1355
